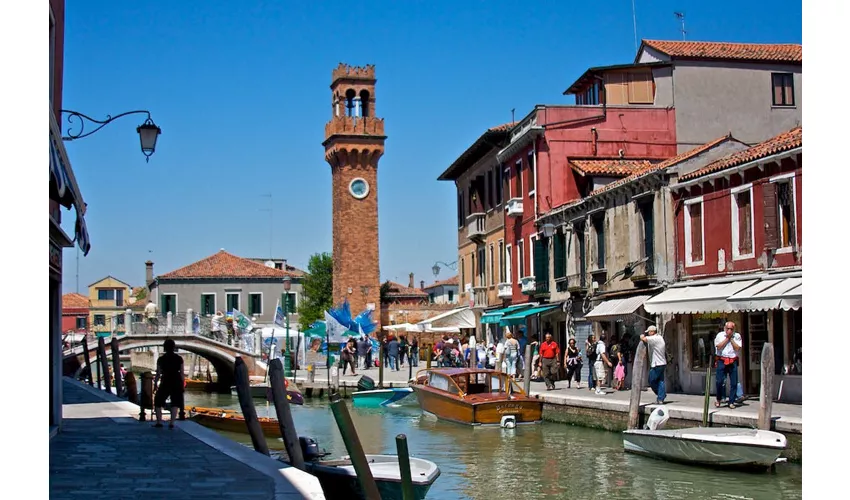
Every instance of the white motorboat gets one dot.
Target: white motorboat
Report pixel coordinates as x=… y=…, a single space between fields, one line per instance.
x=712 y=446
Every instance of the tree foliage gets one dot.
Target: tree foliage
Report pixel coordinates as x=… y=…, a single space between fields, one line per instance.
x=318 y=290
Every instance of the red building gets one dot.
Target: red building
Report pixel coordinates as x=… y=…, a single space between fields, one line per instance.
x=738 y=227
x=75 y=313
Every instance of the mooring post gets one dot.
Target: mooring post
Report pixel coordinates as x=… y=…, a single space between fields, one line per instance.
x=526 y=371
x=146 y=402
x=284 y=415
x=473 y=353
x=243 y=389
x=707 y=395
x=766 y=387
x=354 y=448
x=116 y=367
x=132 y=389
x=638 y=377
x=88 y=362
x=404 y=468
x=430 y=355
x=101 y=352
x=334 y=379
x=381 y=367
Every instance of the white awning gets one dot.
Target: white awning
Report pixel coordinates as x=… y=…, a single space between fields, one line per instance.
x=770 y=294
x=462 y=317
x=616 y=308
x=696 y=299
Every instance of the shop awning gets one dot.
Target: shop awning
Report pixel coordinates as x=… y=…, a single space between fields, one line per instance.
x=696 y=299
x=462 y=317
x=616 y=308
x=770 y=294
x=495 y=315
x=519 y=317
x=63 y=184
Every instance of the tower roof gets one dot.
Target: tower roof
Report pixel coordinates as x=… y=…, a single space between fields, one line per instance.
x=348 y=72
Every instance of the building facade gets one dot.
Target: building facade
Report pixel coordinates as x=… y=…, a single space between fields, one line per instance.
x=354 y=143
x=75 y=313
x=109 y=298
x=64 y=192
x=224 y=282
x=445 y=291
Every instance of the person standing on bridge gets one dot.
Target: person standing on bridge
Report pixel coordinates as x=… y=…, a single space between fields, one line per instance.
x=169 y=369
x=150 y=315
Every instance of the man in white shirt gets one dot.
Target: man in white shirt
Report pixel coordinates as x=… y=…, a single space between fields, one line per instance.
x=150 y=315
x=657 y=362
x=728 y=344
x=216 y=326
x=601 y=362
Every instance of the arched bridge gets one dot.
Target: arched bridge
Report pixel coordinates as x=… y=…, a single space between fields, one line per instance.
x=220 y=355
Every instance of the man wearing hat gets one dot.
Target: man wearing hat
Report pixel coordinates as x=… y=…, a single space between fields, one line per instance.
x=657 y=362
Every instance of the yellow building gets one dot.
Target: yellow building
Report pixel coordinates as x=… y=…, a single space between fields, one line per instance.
x=110 y=298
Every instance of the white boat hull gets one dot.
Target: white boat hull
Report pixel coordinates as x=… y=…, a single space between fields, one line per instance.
x=339 y=480
x=719 y=447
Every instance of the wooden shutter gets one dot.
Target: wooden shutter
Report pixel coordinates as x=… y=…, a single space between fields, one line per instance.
x=745 y=244
x=616 y=89
x=640 y=88
x=771 y=215
x=695 y=213
x=560 y=255
x=541 y=259
x=648 y=237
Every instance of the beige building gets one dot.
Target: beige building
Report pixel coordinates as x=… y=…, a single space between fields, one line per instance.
x=110 y=298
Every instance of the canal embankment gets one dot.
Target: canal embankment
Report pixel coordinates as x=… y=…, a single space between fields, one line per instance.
x=103 y=450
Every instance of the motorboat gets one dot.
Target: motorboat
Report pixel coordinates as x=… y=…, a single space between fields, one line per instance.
x=710 y=446
x=368 y=396
x=231 y=421
x=475 y=396
x=339 y=480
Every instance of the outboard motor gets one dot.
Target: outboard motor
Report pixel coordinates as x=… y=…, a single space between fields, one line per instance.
x=309 y=448
x=508 y=422
x=365 y=383
x=657 y=419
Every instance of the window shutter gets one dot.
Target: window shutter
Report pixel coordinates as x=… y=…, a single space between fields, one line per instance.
x=696 y=231
x=539 y=258
x=771 y=216
x=640 y=88
x=616 y=88
x=560 y=256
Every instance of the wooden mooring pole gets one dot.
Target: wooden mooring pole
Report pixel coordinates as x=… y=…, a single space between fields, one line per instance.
x=707 y=395
x=638 y=378
x=354 y=448
x=404 y=468
x=88 y=362
x=243 y=389
x=101 y=353
x=526 y=370
x=146 y=397
x=766 y=387
x=430 y=348
x=132 y=388
x=381 y=367
x=284 y=415
x=116 y=367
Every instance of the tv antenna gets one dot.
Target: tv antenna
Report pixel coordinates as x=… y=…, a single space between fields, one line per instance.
x=681 y=17
x=634 y=22
x=512 y=115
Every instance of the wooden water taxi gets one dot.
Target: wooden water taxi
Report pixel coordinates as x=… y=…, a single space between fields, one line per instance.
x=197 y=385
x=231 y=421
x=475 y=396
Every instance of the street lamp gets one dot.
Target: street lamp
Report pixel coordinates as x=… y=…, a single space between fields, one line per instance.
x=548 y=230
x=287 y=285
x=436 y=268
x=148 y=131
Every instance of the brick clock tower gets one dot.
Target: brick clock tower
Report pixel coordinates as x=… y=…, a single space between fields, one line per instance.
x=354 y=142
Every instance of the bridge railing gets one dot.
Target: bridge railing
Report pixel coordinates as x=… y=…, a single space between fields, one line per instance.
x=181 y=323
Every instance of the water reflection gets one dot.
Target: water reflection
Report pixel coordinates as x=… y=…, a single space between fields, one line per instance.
x=529 y=462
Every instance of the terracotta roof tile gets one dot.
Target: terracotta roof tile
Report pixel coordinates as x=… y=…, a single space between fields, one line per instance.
x=226 y=265
x=611 y=167
x=782 y=142
x=687 y=155
x=75 y=301
x=448 y=281
x=779 y=52
x=502 y=127
x=397 y=290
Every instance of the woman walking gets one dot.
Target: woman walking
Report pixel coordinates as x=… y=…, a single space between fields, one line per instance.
x=511 y=352
x=348 y=355
x=573 y=364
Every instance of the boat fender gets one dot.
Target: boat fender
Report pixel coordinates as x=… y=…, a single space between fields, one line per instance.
x=657 y=419
x=508 y=422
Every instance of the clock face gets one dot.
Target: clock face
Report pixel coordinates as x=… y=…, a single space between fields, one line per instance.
x=359 y=188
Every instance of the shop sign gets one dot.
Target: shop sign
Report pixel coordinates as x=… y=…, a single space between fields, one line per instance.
x=55 y=257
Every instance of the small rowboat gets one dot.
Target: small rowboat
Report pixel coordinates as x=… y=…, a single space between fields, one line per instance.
x=380 y=397
x=231 y=421
x=198 y=385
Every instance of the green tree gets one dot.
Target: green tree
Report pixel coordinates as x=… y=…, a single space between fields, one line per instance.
x=318 y=289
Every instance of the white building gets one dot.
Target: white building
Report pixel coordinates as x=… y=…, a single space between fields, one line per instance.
x=443 y=292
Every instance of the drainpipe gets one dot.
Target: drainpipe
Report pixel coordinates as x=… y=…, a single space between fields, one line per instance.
x=594 y=136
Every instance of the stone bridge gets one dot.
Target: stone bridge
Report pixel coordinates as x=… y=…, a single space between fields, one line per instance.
x=219 y=354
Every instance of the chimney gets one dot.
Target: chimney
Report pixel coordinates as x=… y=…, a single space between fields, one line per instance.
x=411 y=285
x=148 y=272
x=422 y=284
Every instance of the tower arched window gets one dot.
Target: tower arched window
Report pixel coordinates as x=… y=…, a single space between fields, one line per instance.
x=364 y=103
x=350 y=94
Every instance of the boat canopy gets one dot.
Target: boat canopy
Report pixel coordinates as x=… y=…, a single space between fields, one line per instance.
x=519 y=317
x=492 y=317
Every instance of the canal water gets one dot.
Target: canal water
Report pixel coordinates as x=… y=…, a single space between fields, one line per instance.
x=530 y=462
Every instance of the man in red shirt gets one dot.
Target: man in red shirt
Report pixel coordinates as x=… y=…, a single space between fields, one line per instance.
x=550 y=353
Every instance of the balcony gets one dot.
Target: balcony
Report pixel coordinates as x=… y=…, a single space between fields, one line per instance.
x=528 y=285
x=475 y=226
x=541 y=288
x=514 y=207
x=480 y=294
x=577 y=282
x=506 y=290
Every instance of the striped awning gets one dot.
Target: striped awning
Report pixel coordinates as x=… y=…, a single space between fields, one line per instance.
x=63 y=185
x=495 y=315
x=770 y=294
x=616 y=308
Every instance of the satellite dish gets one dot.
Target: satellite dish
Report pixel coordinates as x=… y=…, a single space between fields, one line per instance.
x=269 y=263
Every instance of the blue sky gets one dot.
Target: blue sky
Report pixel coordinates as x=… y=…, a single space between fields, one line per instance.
x=240 y=90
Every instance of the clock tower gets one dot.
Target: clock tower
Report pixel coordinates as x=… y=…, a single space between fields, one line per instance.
x=354 y=142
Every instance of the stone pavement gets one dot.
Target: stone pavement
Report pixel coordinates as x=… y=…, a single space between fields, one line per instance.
x=102 y=451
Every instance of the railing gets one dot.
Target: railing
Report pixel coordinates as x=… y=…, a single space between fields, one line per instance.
x=505 y=290
x=527 y=284
x=529 y=122
x=475 y=225
x=577 y=281
x=514 y=207
x=541 y=287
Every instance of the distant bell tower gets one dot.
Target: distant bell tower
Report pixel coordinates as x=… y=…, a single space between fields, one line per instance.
x=354 y=142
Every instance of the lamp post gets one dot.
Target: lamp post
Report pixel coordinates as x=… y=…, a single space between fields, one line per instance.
x=436 y=267
x=148 y=131
x=287 y=285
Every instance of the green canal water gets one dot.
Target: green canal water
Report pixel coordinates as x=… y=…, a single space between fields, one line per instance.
x=529 y=462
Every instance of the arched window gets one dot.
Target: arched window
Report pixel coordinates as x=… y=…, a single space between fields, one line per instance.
x=350 y=94
x=364 y=103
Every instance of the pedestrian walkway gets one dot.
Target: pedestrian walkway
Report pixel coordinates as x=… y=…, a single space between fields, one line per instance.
x=103 y=451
